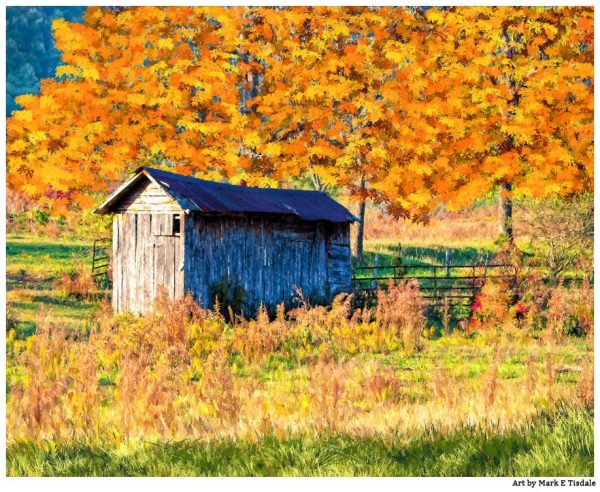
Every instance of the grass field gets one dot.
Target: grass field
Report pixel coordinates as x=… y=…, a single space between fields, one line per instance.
x=559 y=445
x=184 y=392
x=34 y=267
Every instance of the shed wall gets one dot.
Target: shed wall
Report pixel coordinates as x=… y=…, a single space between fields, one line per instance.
x=266 y=257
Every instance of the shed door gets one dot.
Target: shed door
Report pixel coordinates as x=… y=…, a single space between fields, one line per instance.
x=149 y=257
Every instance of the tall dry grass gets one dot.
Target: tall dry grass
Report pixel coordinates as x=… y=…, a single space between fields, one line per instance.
x=479 y=225
x=186 y=373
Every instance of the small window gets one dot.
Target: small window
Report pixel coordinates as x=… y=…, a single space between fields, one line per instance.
x=176 y=225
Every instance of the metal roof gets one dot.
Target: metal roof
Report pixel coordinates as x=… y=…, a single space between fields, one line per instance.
x=214 y=198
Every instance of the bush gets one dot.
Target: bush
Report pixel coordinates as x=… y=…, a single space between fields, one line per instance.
x=183 y=372
x=561 y=233
x=78 y=283
x=228 y=296
x=88 y=225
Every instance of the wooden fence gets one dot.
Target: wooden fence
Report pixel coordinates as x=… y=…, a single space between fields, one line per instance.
x=454 y=284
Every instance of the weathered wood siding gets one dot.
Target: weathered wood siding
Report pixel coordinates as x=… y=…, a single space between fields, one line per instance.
x=147 y=254
x=147 y=196
x=145 y=258
x=267 y=257
x=339 y=259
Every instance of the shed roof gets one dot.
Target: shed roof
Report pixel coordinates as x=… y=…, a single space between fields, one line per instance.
x=214 y=198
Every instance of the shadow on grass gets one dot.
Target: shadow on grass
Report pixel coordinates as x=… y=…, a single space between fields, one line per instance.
x=56 y=251
x=58 y=305
x=416 y=255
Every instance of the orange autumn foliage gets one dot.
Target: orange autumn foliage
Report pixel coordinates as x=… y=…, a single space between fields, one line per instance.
x=407 y=108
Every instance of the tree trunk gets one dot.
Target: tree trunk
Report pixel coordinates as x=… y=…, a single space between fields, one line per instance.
x=360 y=234
x=505 y=210
x=317 y=182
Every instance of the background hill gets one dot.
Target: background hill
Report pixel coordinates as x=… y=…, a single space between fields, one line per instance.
x=30 y=51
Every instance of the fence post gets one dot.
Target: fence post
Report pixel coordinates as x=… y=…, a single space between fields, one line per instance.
x=435 y=284
x=93 y=256
x=447 y=263
x=375 y=265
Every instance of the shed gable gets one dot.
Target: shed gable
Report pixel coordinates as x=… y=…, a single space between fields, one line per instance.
x=146 y=196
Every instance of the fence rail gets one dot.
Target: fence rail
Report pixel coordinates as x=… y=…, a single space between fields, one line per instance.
x=454 y=284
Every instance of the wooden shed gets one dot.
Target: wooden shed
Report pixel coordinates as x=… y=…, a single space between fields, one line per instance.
x=214 y=239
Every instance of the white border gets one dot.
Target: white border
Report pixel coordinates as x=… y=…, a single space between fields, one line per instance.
x=259 y=484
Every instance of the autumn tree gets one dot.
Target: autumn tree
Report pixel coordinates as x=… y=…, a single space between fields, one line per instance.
x=517 y=111
x=404 y=109
x=137 y=85
x=339 y=99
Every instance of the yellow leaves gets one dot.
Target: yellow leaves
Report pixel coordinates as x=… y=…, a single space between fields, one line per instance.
x=158 y=148
x=379 y=154
x=68 y=71
x=306 y=56
x=323 y=150
x=26 y=100
x=434 y=15
x=420 y=197
x=506 y=165
x=252 y=139
x=30 y=189
x=17 y=146
x=552 y=189
x=136 y=99
x=561 y=154
x=399 y=53
x=406 y=102
x=272 y=149
x=423 y=150
x=24 y=115
x=70 y=37
x=37 y=137
x=550 y=31
x=420 y=167
x=327 y=175
x=89 y=71
x=165 y=44
x=336 y=30
x=207 y=129
x=373 y=109
x=47 y=103
x=95 y=128
x=314 y=92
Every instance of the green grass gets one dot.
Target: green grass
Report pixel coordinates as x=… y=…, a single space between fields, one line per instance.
x=43 y=258
x=560 y=445
x=34 y=266
x=390 y=253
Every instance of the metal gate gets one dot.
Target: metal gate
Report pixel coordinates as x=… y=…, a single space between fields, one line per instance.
x=450 y=284
x=101 y=255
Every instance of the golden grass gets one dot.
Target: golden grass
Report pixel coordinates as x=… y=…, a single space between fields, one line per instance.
x=185 y=373
x=477 y=226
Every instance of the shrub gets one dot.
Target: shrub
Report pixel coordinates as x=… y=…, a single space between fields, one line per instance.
x=228 y=295
x=561 y=233
x=184 y=372
x=78 y=283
